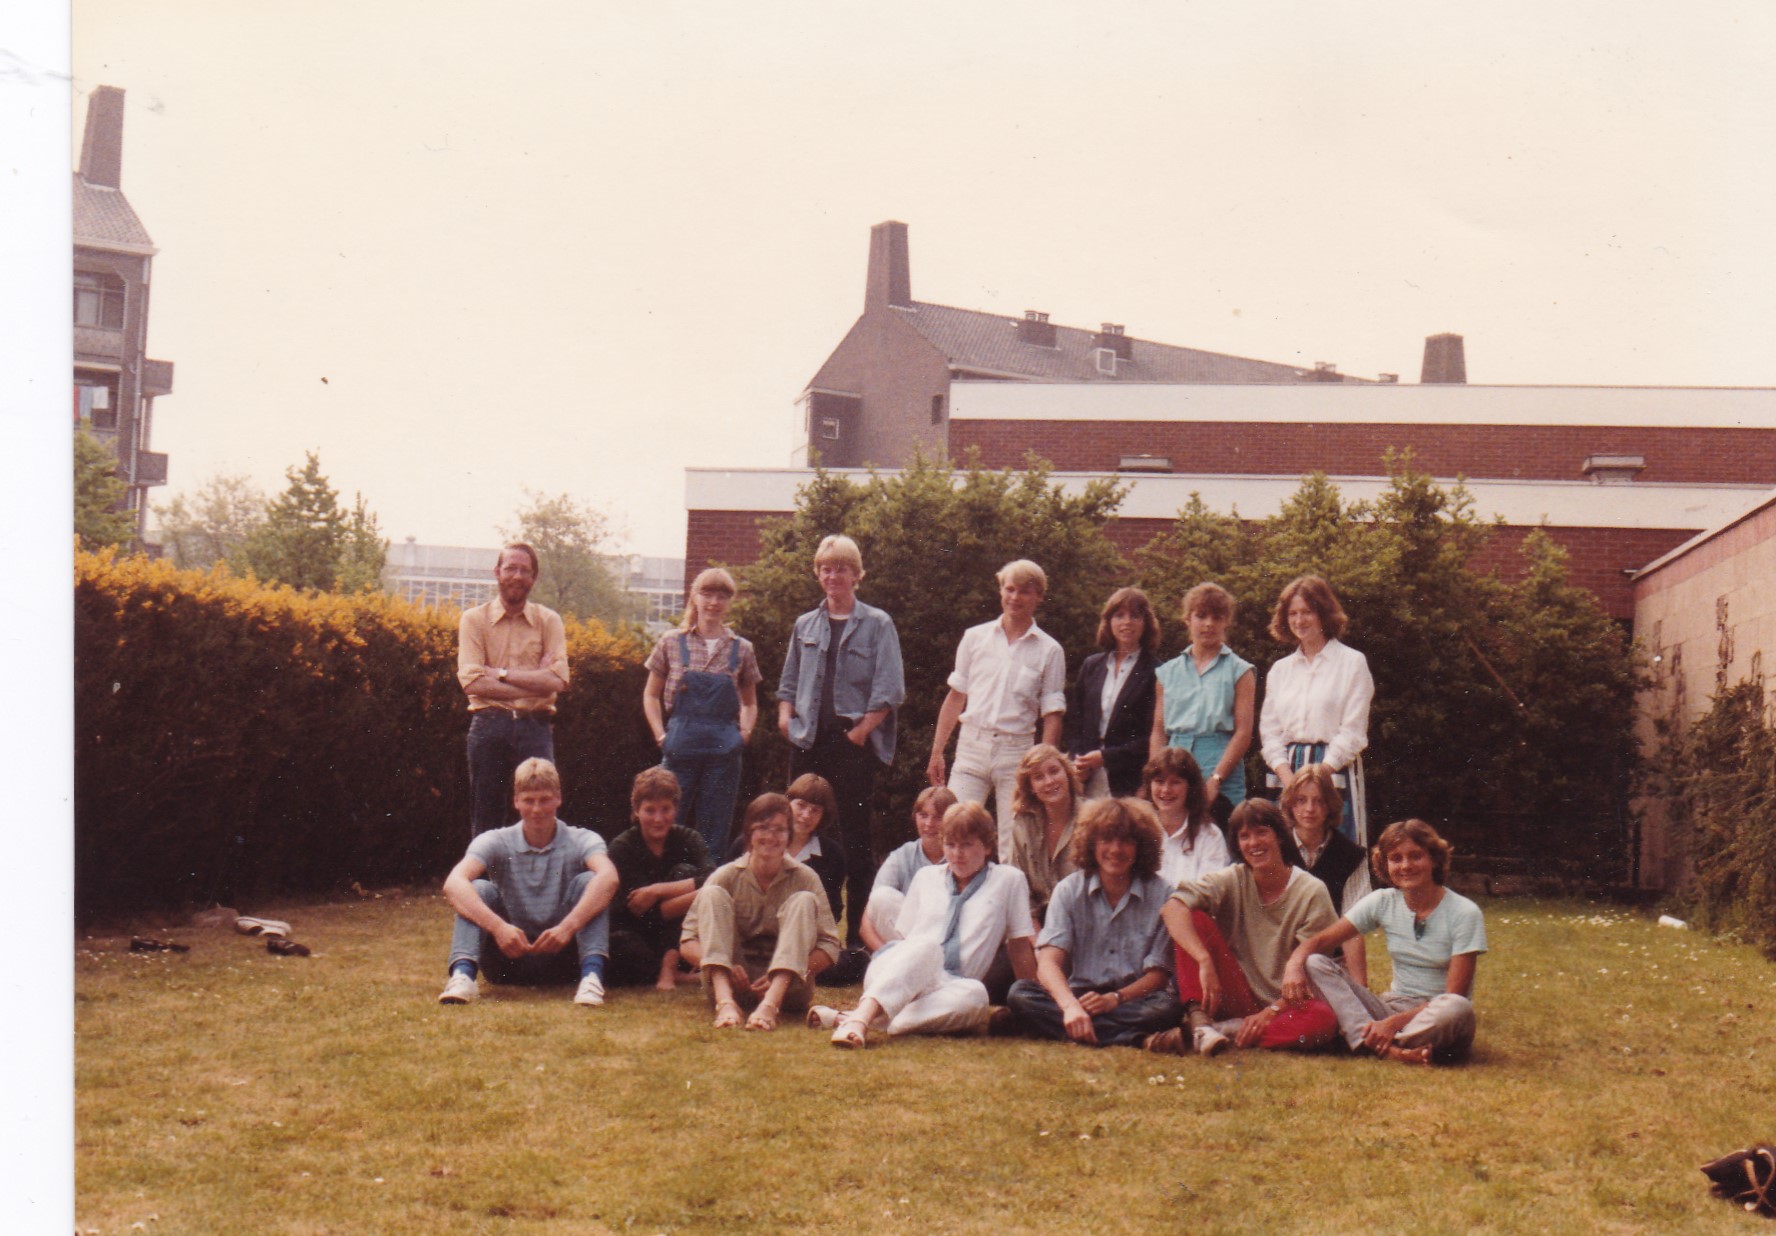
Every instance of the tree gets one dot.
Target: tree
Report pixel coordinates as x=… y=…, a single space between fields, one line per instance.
x=307 y=541
x=1501 y=710
x=932 y=537
x=571 y=540
x=97 y=494
x=213 y=524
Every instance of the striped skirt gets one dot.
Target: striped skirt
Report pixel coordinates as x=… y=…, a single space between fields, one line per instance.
x=1349 y=780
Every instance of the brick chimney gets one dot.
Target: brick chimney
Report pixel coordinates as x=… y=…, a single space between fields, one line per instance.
x=101 y=150
x=1035 y=328
x=890 y=270
x=1444 y=361
x=1112 y=336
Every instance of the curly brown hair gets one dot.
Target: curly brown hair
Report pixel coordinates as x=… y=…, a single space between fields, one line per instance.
x=1114 y=819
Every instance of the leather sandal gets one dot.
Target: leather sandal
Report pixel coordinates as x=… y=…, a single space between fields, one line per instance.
x=851 y=1034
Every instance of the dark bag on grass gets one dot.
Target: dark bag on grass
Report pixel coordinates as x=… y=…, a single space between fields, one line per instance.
x=1747 y=1178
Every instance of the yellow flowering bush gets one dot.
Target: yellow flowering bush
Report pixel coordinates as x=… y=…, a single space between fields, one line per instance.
x=233 y=739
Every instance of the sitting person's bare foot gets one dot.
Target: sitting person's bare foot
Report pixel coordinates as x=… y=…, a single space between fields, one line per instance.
x=764 y=1017
x=1406 y=1055
x=727 y=1014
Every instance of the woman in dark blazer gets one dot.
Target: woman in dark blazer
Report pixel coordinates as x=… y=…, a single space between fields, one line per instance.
x=1110 y=715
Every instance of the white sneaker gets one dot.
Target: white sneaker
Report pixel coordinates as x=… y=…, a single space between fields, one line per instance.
x=591 y=991
x=1208 y=1041
x=459 y=990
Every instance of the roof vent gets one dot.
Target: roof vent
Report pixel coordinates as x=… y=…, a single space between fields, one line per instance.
x=1326 y=371
x=1613 y=469
x=1036 y=329
x=1388 y=379
x=1110 y=335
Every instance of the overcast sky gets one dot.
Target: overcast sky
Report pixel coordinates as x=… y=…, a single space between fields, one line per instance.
x=461 y=249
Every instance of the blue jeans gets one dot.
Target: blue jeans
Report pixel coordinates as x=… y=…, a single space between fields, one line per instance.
x=708 y=786
x=499 y=741
x=469 y=943
x=1123 y=1026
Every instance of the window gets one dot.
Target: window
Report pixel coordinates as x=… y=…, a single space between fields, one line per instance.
x=937 y=409
x=829 y=428
x=97 y=406
x=98 y=301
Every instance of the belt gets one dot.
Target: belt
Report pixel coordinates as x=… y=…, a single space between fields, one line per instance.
x=514 y=713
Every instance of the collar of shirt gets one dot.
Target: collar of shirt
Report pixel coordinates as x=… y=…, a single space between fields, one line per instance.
x=1002 y=633
x=524 y=842
x=527 y=614
x=1095 y=884
x=811 y=850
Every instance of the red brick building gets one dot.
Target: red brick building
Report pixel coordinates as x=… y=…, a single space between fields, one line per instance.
x=1618 y=475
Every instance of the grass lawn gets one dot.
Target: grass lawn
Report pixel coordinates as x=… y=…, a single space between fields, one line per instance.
x=228 y=1091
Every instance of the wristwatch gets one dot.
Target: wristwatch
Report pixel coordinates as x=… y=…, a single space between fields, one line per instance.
x=502 y=673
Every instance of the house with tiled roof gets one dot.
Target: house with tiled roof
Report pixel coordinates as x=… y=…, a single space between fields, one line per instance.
x=115 y=384
x=885 y=391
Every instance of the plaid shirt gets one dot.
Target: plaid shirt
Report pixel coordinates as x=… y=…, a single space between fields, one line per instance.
x=708 y=655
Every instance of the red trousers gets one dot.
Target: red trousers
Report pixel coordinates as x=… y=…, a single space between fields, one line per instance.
x=1299 y=1028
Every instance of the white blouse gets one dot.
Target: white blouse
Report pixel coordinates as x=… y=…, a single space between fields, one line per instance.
x=1322 y=700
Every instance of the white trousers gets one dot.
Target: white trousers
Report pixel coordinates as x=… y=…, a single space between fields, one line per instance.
x=917 y=995
x=987 y=763
x=883 y=911
x=1445 y=1025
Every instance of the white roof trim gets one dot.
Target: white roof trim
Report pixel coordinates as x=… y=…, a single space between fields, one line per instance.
x=1683 y=407
x=1561 y=504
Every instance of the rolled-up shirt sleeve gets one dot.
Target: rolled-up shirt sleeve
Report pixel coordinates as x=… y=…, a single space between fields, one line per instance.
x=471 y=646
x=960 y=676
x=555 y=647
x=888 y=683
x=1054 y=682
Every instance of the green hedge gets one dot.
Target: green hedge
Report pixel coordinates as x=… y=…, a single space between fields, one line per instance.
x=1722 y=795
x=234 y=740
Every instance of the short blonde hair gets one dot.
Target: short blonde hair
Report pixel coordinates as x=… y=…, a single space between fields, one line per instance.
x=536 y=773
x=840 y=549
x=1023 y=571
x=709 y=580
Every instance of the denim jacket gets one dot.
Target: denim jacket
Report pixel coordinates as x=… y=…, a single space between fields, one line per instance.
x=869 y=674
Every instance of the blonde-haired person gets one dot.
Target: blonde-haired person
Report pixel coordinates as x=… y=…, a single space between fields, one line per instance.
x=1110 y=719
x=836 y=698
x=759 y=930
x=955 y=919
x=532 y=899
x=1205 y=700
x=1046 y=800
x=701 y=701
x=1316 y=699
x=1007 y=692
x=896 y=873
x=1435 y=937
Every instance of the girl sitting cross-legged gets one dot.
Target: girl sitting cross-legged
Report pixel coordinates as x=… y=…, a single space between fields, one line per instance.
x=955 y=917
x=1435 y=938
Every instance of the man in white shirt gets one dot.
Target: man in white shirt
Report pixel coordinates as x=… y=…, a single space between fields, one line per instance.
x=1010 y=678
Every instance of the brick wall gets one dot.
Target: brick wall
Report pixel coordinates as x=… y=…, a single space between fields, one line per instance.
x=1492 y=452
x=722 y=536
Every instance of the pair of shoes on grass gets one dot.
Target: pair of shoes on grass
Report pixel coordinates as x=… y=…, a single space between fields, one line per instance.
x=461 y=988
x=248 y=926
x=1204 y=1041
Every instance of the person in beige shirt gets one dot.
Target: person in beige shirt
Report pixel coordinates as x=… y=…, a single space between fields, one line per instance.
x=511 y=659
x=760 y=928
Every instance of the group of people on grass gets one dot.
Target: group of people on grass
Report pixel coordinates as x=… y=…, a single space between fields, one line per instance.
x=1125 y=890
